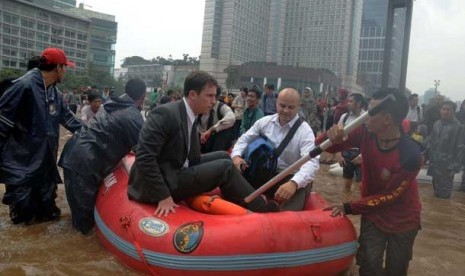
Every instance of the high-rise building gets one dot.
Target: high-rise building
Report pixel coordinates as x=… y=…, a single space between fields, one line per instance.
x=372 y=45
x=28 y=27
x=321 y=34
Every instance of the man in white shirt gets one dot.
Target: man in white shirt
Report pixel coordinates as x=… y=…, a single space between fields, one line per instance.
x=415 y=114
x=216 y=127
x=95 y=106
x=275 y=128
x=351 y=159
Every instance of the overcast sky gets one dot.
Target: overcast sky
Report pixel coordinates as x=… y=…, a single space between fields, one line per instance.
x=151 y=28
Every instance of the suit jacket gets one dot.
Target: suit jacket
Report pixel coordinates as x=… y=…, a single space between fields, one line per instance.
x=161 y=153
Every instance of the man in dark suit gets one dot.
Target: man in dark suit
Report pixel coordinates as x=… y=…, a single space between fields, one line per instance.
x=168 y=164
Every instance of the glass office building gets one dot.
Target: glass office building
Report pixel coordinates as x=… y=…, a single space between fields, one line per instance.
x=372 y=45
x=27 y=28
x=302 y=33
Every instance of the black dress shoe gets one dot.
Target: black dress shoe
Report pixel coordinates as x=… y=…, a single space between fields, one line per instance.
x=262 y=205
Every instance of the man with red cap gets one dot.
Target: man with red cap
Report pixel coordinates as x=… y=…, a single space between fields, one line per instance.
x=31 y=110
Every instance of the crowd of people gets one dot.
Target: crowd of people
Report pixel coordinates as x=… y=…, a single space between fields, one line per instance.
x=212 y=132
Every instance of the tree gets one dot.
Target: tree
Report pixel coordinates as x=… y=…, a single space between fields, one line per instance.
x=135 y=60
x=9 y=73
x=92 y=77
x=186 y=60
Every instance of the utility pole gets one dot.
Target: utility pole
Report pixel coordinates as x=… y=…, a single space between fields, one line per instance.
x=436 y=84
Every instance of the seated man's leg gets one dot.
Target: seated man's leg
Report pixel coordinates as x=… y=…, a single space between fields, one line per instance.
x=215 y=155
x=218 y=173
x=297 y=201
x=223 y=140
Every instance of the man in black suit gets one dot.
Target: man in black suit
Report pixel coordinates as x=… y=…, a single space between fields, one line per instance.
x=168 y=164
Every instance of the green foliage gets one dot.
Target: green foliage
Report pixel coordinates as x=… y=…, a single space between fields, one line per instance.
x=137 y=60
x=92 y=77
x=9 y=73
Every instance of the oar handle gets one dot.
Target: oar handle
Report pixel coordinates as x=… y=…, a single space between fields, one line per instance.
x=318 y=149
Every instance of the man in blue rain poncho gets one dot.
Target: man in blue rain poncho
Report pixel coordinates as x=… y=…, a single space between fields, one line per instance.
x=31 y=110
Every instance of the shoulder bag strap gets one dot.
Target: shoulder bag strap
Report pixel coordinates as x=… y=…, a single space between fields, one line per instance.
x=288 y=137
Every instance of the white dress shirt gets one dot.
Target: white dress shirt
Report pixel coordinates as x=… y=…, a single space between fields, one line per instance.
x=301 y=144
x=414 y=114
x=226 y=122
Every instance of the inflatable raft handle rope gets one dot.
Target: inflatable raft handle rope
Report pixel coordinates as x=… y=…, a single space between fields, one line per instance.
x=319 y=149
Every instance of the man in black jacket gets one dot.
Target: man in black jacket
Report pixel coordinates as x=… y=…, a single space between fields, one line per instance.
x=95 y=150
x=31 y=110
x=168 y=164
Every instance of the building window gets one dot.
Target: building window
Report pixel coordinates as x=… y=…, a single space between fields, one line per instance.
x=10 y=18
x=70 y=34
x=28 y=23
x=82 y=36
x=43 y=27
x=43 y=16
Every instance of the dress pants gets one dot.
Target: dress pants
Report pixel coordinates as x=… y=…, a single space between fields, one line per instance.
x=216 y=169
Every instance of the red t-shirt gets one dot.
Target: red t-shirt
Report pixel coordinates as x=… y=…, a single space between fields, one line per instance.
x=341 y=108
x=389 y=190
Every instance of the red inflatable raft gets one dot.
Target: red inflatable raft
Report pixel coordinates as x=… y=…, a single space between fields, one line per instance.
x=188 y=242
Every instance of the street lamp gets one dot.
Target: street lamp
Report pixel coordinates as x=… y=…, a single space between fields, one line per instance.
x=436 y=84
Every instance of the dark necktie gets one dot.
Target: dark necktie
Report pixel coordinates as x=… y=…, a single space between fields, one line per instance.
x=194 y=149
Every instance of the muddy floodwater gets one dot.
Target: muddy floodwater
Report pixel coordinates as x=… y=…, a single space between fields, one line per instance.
x=54 y=248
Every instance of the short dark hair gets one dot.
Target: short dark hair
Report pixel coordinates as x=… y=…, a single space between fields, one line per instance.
x=245 y=89
x=256 y=91
x=33 y=62
x=197 y=80
x=398 y=109
x=93 y=96
x=358 y=98
x=269 y=86
x=43 y=65
x=414 y=95
x=451 y=104
x=165 y=99
x=135 y=88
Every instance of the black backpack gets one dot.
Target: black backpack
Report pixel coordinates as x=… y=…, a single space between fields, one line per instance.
x=262 y=157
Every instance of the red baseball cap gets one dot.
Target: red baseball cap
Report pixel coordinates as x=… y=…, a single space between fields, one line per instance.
x=56 y=56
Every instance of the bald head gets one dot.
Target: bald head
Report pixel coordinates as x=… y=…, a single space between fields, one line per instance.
x=287 y=105
x=289 y=94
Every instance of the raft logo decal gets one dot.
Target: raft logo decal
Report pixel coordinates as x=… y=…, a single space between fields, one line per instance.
x=188 y=237
x=153 y=227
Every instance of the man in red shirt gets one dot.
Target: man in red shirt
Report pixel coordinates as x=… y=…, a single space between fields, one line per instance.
x=342 y=106
x=389 y=204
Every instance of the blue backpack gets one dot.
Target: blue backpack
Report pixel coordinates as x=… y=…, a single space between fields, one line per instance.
x=262 y=157
x=262 y=161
